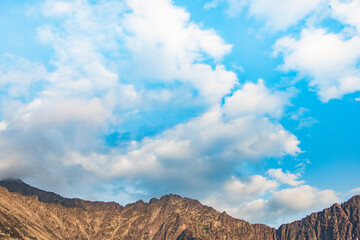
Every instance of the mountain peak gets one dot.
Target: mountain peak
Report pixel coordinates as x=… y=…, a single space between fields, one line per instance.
x=170 y=217
x=170 y=197
x=18 y=186
x=17 y=180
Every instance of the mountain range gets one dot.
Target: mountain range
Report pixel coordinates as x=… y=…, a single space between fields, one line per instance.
x=27 y=212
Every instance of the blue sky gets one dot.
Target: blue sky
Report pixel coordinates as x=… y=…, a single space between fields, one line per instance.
x=250 y=106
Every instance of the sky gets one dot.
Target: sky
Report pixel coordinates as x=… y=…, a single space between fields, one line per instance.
x=250 y=106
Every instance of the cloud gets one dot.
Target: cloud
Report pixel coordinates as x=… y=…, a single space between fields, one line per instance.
x=347 y=12
x=355 y=191
x=300 y=116
x=20 y=77
x=257 y=185
x=236 y=191
x=260 y=199
x=276 y=14
x=190 y=40
x=328 y=60
x=257 y=99
x=167 y=45
x=302 y=198
x=285 y=205
x=285 y=178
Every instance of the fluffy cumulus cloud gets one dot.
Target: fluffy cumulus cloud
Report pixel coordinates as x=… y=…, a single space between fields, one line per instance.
x=257 y=99
x=236 y=191
x=355 y=191
x=347 y=12
x=276 y=14
x=167 y=46
x=286 y=205
x=328 y=60
x=285 y=178
x=268 y=200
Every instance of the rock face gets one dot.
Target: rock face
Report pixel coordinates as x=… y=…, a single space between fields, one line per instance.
x=30 y=213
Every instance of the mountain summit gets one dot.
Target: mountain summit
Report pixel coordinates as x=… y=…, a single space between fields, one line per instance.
x=30 y=213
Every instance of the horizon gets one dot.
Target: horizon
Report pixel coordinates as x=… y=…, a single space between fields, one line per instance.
x=251 y=107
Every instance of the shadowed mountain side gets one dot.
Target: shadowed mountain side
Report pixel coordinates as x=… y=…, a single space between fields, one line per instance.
x=170 y=217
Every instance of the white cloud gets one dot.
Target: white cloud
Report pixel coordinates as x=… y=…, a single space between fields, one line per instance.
x=59 y=8
x=80 y=44
x=276 y=14
x=355 y=191
x=286 y=205
x=235 y=191
x=262 y=200
x=280 y=14
x=347 y=12
x=257 y=99
x=285 y=178
x=257 y=185
x=18 y=76
x=302 y=198
x=162 y=23
x=328 y=60
x=168 y=46
x=56 y=112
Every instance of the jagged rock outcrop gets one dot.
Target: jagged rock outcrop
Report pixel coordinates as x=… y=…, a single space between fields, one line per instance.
x=31 y=213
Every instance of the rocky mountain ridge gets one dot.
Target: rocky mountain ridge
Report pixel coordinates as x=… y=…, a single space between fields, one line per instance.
x=30 y=213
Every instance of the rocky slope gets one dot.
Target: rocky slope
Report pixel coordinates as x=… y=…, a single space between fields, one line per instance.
x=337 y=222
x=30 y=213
